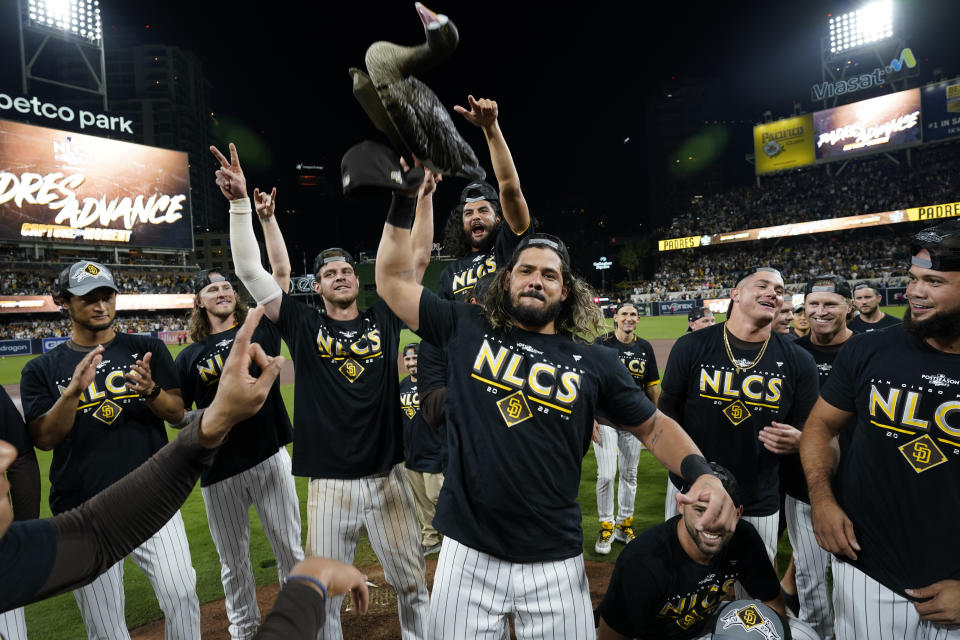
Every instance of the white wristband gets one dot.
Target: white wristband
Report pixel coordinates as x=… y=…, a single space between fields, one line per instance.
x=240 y=206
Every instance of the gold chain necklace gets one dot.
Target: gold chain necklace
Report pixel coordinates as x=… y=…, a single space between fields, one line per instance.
x=734 y=361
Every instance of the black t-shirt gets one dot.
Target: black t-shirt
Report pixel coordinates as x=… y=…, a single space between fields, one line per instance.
x=658 y=591
x=253 y=440
x=114 y=431
x=789 y=336
x=27 y=553
x=431 y=368
x=637 y=356
x=724 y=411
x=859 y=326
x=462 y=274
x=12 y=428
x=519 y=410
x=424 y=447
x=346 y=389
x=899 y=479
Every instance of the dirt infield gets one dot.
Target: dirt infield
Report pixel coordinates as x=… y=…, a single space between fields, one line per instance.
x=379 y=623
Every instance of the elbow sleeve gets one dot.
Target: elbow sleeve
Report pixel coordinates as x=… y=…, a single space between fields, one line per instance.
x=246 y=254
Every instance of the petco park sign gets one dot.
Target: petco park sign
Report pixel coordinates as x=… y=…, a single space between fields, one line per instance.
x=85 y=119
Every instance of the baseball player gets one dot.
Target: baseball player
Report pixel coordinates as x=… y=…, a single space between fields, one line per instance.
x=102 y=421
x=611 y=445
x=424 y=451
x=784 y=317
x=670 y=583
x=23 y=475
x=737 y=388
x=800 y=326
x=348 y=431
x=700 y=318
x=253 y=467
x=520 y=401
x=880 y=502
x=475 y=231
x=866 y=297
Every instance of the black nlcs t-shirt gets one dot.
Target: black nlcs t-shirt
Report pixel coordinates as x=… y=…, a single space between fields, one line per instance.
x=345 y=392
x=637 y=356
x=519 y=411
x=658 y=591
x=253 y=440
x=12 y=428
x=114 y=431
x=724 y=411
x=859 y=326
x=899 y=479
x=423 y=446
x=462 y=274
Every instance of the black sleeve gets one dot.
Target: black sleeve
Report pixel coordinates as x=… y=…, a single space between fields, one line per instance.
x=620 y=398
x=671 y=406
x=758 y=577
x=677 y=372
x=431 y=406
x=652 y=374
x=840 y=389
x=630 y=593
x=183 y=364
x=24 y=472
x=438 y=318
x=34 y=392
x=292 y=315
x=297 y=614
x=106 y=528
x=162 y=370
x=807 y=388
x=431 y=368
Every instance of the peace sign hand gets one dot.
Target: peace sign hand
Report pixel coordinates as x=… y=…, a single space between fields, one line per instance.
x=230 y=178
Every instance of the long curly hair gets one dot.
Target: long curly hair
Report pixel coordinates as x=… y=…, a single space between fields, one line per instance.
x=455 y=240
x=198 y=326
x=580 y=318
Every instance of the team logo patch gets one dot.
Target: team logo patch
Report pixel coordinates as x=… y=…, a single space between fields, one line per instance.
x=736 y=412
x=514 y=409
x=750 y=619
x=922 y=453
x=410 y=412
x=688 y=621
x=107 y=412
x=351 y=369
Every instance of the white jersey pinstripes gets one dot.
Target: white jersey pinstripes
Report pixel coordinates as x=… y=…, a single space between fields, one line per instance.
x=623 y=447
x=13 y=625
x=270 y=488
x=811 y=563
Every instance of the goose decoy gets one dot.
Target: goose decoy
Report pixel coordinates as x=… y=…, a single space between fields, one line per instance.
x=408 y=111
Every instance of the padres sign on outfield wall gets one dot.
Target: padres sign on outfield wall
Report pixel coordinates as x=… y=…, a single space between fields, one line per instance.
x=784 y=144
x=57 y=186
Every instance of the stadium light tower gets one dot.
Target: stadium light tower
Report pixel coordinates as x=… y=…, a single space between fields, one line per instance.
x=76 y=24
x=869 y=24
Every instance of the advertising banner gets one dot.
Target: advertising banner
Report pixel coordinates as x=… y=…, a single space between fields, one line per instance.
x=52 y=343
x=57 y=186
x=14 y=348
x=877 y=124
x=125 y=302
x=941 y=110
x=677 y=307
x=784 y=144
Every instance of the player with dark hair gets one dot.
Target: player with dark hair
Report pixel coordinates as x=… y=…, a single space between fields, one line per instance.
x=611 y=445
x=253 y=466
x=867 y=298
x=671 y=582
x=738 y=388
x=522 y=392
x=784 y=317
x=475 y=233
x=348 y=435
x=700 y=318
x=424 y=450
x=879 y=502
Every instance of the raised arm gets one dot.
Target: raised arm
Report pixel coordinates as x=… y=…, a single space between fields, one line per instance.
x=820 y=454
x=395 y=269
x=483 y=113
x=265 y=204
x=421 y=235
x=49 y=429
x=243 y=242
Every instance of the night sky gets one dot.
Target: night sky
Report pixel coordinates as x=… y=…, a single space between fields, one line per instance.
x=574 y=82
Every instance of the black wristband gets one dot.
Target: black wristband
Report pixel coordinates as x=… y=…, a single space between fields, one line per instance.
x=153 y=392
x=402 y=210
x=694 y=466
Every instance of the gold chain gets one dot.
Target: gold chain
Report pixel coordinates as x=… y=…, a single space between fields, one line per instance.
x=733 y=361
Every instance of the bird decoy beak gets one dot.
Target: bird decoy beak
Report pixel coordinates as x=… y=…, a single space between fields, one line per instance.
x=427 y=17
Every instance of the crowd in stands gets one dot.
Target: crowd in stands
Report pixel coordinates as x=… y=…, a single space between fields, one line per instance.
x=867 y=185
x=40 y=278
x=21 y=329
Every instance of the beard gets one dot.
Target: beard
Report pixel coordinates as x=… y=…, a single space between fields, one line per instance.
x=530 y=317
x=486 y=243
x=222 y=313
x=90 y=326
x=945 y=324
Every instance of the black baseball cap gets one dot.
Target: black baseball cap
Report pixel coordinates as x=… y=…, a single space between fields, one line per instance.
x=866 y=284
x=942 y=241
x=746 y=273
x=82 y=277
x=333 y=254
x=698 y=313
x=412 y=345
x=477 y=191
x=828 y=283
x=369 y=167
x=544 y=240
x=727 y=479
x=207 y=277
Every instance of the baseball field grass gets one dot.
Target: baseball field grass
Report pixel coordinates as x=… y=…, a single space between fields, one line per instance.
x=59 y=617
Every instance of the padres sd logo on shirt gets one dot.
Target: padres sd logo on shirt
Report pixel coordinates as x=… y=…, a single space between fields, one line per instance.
x=100 y=398
x=761 y=390
x=902 y=412
x=552 y=388
x=410 y=403
x=366 y=346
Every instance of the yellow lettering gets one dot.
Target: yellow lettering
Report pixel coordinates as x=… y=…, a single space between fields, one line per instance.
x=494 y=362
x=208 y=371
x=909 y=412
x=94 y=393
x=750 y=393
x=711 y=379
x=888 y=406
x=510 y=375
x=535 y=371
x=459 y=281
x=727 y=381
x=374 y=337
x=940 y=417
x=672 y=610
x=324 y=342
x=111 y=378
x=570 y=382
x=773 y=389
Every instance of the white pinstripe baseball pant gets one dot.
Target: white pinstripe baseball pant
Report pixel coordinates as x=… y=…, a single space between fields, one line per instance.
x=766 y=526
x=270 y=488
x=867 y=610
x=338 y=509
x=165 y=559
x=623 y=447
x=13 y=625
x=811 y=563
x=473 y=592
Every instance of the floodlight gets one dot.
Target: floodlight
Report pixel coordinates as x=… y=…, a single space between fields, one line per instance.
x=870 y=23
x=78 y=18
